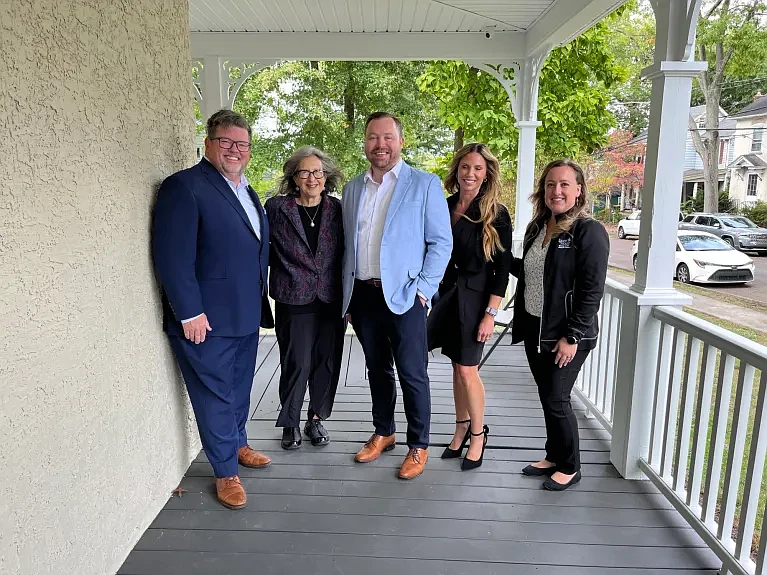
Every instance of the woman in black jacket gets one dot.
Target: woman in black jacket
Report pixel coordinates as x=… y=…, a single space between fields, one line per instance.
x=470 y=293
x=561 y=281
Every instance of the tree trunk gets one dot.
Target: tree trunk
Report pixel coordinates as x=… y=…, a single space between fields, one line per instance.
x=349 y=101
x=711 y=157
x=349 y=108
x=458 y=140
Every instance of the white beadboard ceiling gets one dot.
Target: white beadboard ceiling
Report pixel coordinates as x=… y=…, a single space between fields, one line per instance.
x=365 y=15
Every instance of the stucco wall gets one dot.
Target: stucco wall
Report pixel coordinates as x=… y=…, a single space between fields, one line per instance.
x=95 y=109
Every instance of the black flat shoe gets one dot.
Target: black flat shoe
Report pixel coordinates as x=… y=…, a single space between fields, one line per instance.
x=454 y=453
x=532 y=471
x=291 y=438
x=551 y=485
x=316 y=432
x=469 y=464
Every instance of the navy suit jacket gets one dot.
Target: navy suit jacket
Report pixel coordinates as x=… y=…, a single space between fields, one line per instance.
x=207 y=255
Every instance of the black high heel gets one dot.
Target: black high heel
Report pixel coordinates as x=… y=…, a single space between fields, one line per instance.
x=468 y=464
x=453 y=453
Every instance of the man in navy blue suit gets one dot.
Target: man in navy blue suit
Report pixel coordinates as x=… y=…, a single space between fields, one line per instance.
x=210 y=243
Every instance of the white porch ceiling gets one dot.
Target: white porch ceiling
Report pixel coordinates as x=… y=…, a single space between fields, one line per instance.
x=387 y=29
x=365 y=15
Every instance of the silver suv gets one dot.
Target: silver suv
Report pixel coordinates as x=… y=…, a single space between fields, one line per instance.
x=738 y=231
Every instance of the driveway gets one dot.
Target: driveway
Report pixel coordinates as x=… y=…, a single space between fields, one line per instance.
x=620 y=256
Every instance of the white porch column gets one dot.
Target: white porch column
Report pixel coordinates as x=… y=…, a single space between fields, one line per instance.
x=520 y=78
x=213 y=88
x=523 y=210
x=671 y=76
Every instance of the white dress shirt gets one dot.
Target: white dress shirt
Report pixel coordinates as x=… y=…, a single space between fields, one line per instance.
x=372 y=217
x=241 y=192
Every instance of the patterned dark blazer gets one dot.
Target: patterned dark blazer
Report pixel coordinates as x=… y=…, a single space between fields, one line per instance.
x=297 y=276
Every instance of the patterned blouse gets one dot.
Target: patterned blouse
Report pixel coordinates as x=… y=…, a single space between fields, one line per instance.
x=535 y=258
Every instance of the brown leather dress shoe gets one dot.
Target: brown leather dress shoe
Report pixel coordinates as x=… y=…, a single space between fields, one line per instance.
x=375 y=446
x=414 y=463
x=249 y=457
x=230 y=492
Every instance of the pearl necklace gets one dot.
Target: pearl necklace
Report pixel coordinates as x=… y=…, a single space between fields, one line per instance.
x=311 y=218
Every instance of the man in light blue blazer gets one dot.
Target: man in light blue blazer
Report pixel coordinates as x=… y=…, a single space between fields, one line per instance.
x=399 y=240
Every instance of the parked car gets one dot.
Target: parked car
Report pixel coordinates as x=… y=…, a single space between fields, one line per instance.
x=738 y=231
x=629 y=226
x=702 y=257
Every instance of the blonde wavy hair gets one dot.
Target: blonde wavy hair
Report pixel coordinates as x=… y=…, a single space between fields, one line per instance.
x=542 y=212
x=489 y=195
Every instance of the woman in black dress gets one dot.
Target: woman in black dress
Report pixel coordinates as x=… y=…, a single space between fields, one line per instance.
x=471 y=291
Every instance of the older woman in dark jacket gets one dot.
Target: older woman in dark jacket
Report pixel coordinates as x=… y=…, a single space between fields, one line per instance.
x=561 y=281
x=306 y=234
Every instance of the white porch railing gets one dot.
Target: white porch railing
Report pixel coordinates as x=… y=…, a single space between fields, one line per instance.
x=708 y=423
x=596 y=382
x=704 y=430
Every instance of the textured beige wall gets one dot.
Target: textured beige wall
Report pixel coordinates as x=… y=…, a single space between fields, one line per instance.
x=95 y=109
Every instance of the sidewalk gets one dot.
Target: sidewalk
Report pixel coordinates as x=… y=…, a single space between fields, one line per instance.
x=729 y=312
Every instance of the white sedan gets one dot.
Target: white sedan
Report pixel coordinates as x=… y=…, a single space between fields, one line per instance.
x=704 y=258
x=629 y=226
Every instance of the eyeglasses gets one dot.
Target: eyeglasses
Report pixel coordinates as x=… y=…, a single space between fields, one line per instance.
x=304 y=174
x=227 y=143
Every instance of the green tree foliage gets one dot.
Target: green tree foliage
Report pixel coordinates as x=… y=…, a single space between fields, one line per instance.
x=757 y=213
x=324 y=104
x=573 y=99
x=632 y=42
x=732 y=38
x=737 y=93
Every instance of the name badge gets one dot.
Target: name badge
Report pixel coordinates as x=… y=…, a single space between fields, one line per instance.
x=565 y=243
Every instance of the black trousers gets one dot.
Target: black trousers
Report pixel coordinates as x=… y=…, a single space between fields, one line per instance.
x=388 y=339
x=311 y=345
x=555 y=385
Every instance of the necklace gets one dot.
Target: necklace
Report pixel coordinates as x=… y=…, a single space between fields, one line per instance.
x=311 y=217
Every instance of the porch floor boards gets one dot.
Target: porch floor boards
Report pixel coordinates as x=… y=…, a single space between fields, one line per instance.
x=315 y=510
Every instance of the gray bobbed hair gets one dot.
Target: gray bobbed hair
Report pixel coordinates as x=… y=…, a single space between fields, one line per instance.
x=333 y=175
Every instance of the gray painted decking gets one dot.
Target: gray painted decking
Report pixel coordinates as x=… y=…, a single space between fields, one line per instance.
x=315 y=510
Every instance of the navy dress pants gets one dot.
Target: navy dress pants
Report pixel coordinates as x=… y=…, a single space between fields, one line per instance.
x=389 y=339
x=219 y=376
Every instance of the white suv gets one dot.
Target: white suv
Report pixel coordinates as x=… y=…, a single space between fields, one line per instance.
x=629 y=226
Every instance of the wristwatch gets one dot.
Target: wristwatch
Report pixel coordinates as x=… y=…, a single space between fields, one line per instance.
x=491 y=310
x=572 y=340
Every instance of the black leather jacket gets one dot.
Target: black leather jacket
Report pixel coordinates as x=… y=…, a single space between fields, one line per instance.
x=573 y=284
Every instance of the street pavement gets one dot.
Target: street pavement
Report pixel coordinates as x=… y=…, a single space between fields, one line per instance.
x=620 y=256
